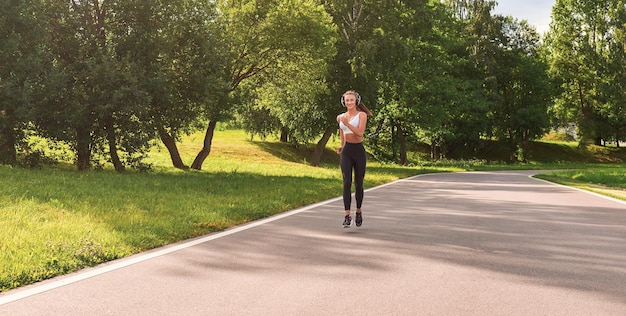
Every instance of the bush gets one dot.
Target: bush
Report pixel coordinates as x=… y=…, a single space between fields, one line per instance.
x=35 y=159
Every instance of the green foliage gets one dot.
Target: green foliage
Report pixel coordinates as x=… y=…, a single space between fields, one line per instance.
x=285 y=97
x=97 y=102
x=586 y=54
x=129 y=71
x=517 y=85
x=23 y=71
x=112 y=77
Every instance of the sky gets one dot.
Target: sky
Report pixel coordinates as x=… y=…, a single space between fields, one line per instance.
x=536 y=12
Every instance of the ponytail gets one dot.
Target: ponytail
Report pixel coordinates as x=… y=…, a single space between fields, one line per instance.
x=361 y=107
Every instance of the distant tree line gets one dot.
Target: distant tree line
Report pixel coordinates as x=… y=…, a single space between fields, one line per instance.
x=109 y=78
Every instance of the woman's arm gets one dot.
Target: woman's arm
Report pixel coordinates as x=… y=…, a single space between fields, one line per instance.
x=358 y=130
x=343 y=139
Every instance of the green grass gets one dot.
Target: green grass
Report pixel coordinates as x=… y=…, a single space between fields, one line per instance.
x=55 y=220
x=611 y=177
x=604 y=179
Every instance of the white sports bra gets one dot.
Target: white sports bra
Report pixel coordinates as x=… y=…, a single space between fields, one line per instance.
x=354 y=122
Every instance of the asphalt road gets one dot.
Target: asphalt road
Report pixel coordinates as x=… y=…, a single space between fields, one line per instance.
x=483 y=243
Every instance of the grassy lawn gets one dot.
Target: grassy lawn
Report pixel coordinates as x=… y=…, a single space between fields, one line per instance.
x=606 y=180
x=55 y=220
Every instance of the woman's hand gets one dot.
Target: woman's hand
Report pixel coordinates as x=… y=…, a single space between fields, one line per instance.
x=344 y=119
x=339 y=150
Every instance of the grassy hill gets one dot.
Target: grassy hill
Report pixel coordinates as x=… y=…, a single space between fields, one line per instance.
x=545 y=151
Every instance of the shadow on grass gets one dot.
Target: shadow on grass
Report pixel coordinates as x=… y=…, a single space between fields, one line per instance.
x=296 y=153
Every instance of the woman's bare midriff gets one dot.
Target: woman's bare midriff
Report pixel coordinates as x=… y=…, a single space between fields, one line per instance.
x=352 y=138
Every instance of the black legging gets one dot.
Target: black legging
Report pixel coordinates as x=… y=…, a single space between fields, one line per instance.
x=353 y=156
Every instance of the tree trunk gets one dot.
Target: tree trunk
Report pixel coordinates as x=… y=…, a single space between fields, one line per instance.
x=525 y=147
x=170 y=144
x=115 y=158
x=394 y=151
x=597 y=141
x=206 y=148
x=433 y=151
x=403 y=156
x=284 y=135
x=321 y=146
x=8 y=153
x=83 y=149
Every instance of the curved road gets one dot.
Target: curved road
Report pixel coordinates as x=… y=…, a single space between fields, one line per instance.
x=479 y=243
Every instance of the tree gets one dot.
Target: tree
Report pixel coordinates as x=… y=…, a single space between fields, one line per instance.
x=95 y=106
x=417 y=56
x=290 y=98
x=586 y=54
x=175 y=50
x=519 y=81
x=515 y=85
x=23 y=69
x=261 y=35
x=131 y=71
x=612 y=92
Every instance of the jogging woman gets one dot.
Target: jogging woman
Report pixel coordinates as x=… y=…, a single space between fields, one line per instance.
x=351 y=128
